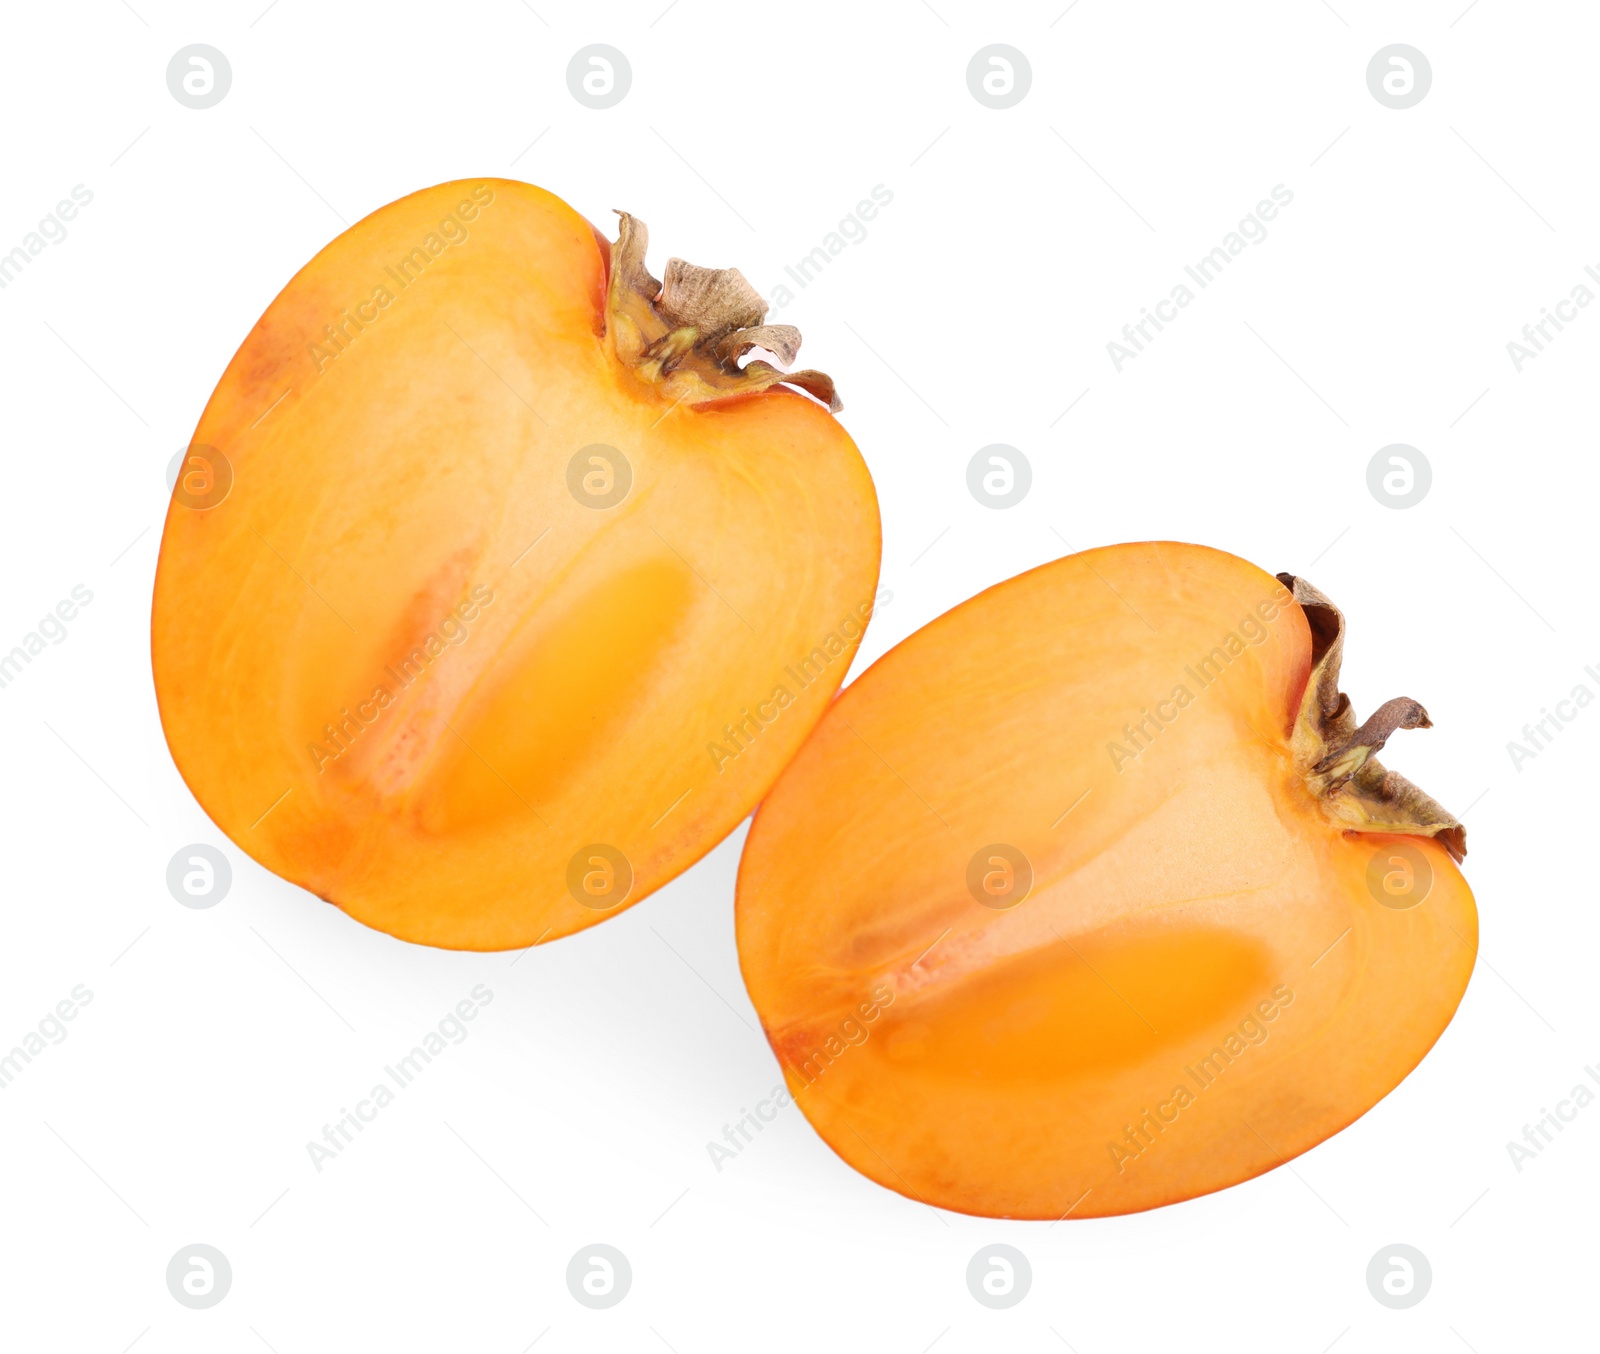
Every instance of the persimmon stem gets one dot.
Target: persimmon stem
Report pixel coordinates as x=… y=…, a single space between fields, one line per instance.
x=1400 y=713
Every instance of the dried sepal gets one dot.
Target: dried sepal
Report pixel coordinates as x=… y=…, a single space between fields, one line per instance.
x=781 y=340
x=689 y=331
x=712 y=300
x=1336 y=756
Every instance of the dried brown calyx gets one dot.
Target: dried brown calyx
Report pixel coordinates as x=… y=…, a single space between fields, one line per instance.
x=1337 y=757
x=687 y=332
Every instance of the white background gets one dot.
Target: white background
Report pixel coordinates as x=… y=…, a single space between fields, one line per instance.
x=977 y=310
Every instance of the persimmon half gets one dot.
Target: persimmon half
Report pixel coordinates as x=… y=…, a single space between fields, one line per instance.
x=500 y=583
x=1090 y=896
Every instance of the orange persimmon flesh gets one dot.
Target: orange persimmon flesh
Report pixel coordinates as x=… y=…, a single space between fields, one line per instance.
x=1198 y=982
x=405 y=664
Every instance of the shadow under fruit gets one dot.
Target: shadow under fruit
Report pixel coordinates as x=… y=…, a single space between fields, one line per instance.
x=1090 y=896
x=508 y=540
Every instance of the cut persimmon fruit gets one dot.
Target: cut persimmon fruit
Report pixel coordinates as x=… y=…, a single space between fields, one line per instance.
x=1090 y=896
x=500 y=581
